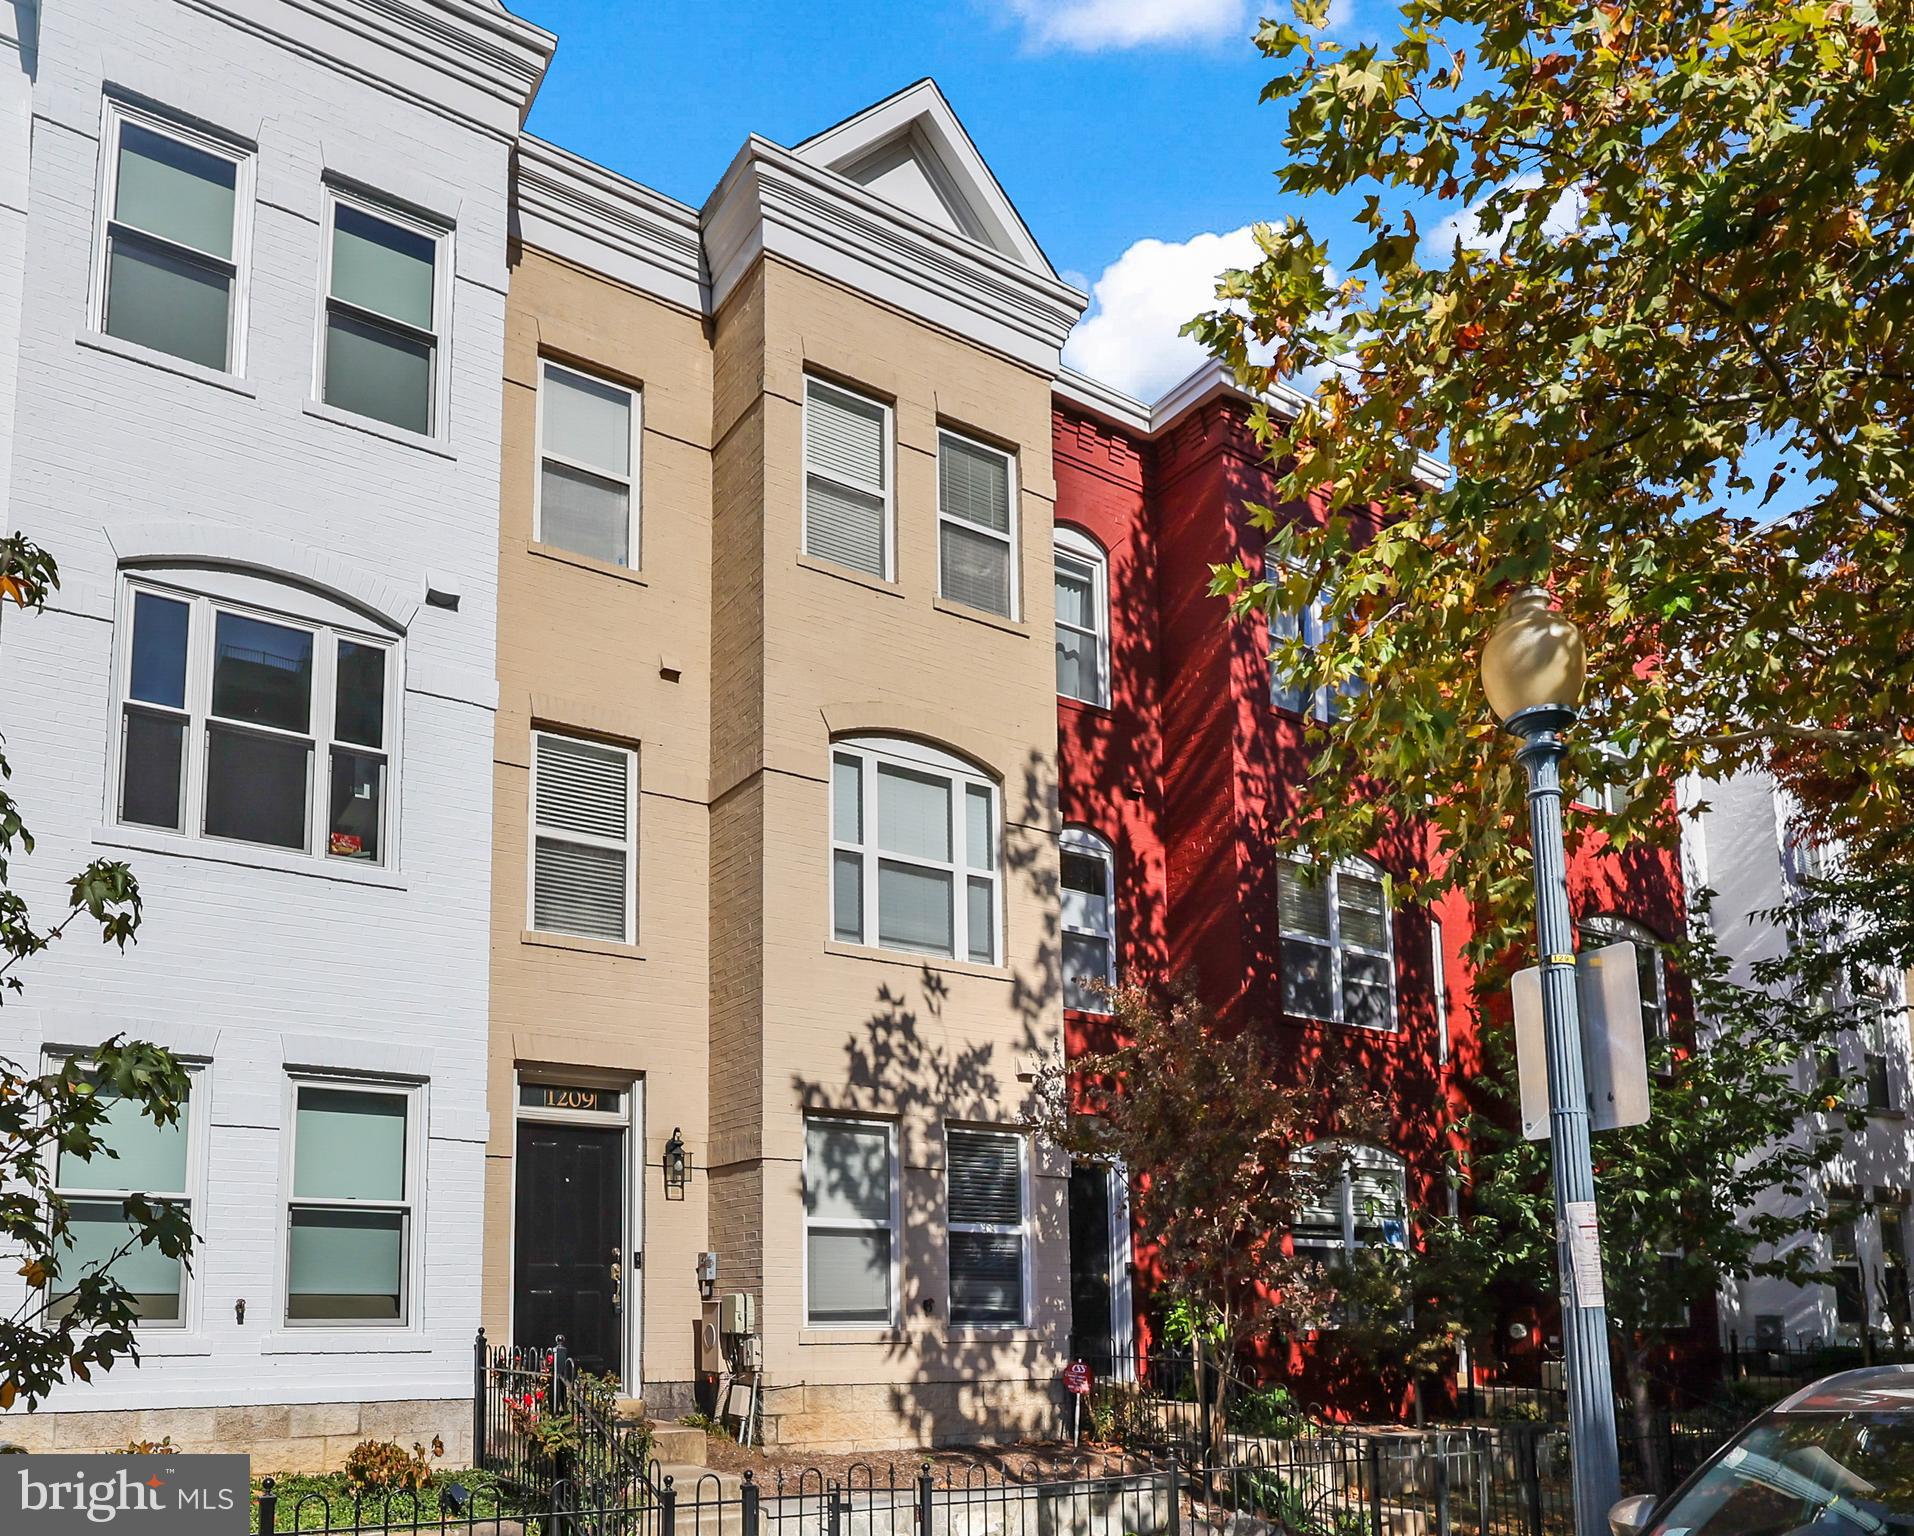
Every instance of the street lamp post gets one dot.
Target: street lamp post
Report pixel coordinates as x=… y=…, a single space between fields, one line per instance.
x=1532 y=670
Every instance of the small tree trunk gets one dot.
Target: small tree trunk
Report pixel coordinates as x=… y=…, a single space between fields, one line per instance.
x=1642 y=1403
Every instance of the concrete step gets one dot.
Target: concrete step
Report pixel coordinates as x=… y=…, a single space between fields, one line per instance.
x=678 y=1444
x=694 y=1481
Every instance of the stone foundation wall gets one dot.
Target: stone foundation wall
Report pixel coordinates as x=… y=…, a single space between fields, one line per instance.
x=284 y=1437
x=894 y=1416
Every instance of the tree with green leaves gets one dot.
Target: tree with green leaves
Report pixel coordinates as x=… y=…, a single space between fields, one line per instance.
x=75 y=1315
x=1645 y=282
x=1684 y=1199
x=1210 y=1123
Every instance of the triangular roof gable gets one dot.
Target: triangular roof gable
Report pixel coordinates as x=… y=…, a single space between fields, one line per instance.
x=911 y=150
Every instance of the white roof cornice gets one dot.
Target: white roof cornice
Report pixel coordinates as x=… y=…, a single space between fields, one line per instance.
x=473 y=46
x=607 y=223
x=773 y=202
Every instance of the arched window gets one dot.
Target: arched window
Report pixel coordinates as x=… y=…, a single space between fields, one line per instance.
x=1338 y=959
x=1601 y=929
x=255 y=711
x=1366 y=1207
x=916 y=850
x=1083 y=619
x=1089 y=919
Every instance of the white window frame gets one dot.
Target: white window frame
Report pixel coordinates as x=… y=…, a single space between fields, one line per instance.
x=439 y=336
x=1021 y=1231
x=328 y=632
x=534 y=831
x=894 y=1224
x=870 y=752
x=1009 y=537
x=1313 y=627
x=1371 y=1160
x=410 y=1205
x=193 y=1197
x=1087 y=844
x=1439 y=983
x=1612 y=798
x=887 y=490
x=1077 y=548
x=546 y=367
x=114 y=115
x=1612 y=928
x=1331 y=876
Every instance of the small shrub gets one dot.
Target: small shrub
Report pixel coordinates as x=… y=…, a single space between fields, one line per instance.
x=1521 y=1410
x=1269 y=1412
x=161 y=1447
x=381 y=1465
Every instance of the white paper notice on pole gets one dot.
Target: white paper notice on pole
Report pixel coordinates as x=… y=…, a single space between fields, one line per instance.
x=1584 y=1233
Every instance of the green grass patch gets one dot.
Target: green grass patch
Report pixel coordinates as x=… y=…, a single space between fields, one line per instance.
x=306 y=1498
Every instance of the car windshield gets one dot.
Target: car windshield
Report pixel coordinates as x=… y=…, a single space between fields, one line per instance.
x=1821 y=1474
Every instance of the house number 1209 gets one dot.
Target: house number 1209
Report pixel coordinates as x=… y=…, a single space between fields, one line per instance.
x=571 y=1098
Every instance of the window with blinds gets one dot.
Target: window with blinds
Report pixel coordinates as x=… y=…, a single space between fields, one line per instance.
x=588 y=466
x=847 y=462
x=1337 y=947
x=984 y=1173
x=1365 y=1206
x=850 y=1222
x=976 y=563
x=584 y=838
x=1083 y=619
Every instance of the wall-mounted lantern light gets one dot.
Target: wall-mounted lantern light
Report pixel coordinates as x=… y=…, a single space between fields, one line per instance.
x=677 y=1166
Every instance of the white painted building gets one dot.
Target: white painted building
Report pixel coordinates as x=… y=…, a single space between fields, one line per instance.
x=1745 y=847
x=259 y=308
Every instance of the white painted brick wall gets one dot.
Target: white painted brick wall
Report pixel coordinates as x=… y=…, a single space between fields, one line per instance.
x=252 y=965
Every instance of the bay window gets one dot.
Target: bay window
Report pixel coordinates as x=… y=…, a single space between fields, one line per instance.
x=250 y=727
x=1338 y=958
x=985 y=1180
x=172 y=261
x=349 y=1219
x=383 y=315
x=976 y=525
x=847 y=479
x=850 y=1222
x=915 y=850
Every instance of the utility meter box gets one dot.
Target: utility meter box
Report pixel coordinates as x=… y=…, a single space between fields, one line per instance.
x=711 y=1361
x=739 y=1314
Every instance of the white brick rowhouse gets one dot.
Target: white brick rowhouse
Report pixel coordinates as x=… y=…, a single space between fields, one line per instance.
x=252 y=301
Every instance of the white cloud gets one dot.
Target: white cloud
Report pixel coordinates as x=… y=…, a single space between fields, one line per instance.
x=1465 y=224
x=1129 y=337
x=1092 y=25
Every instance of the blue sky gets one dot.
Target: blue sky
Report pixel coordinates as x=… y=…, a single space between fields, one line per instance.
x=1126 y=131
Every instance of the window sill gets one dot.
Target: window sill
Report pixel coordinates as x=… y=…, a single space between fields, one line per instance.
x=978 y=616
x=150 y=357
x=852 y=1336
x=324 y=1340
x=1310 y=1021
x=994 y=1333
x=845 y=573
x=590 y=563
x=171 y=1343
x=245 y=856
x=905 y=958
x=579 y=944
x=375 y=428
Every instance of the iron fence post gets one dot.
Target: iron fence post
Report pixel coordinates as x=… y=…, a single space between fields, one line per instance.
x=559 y=1360
x=268 y=1507
x=1373 y=1451
x=668 y=1507
x=834 y=1510
x=1530 y=1440
x=748 y=1500
x=1176 y=1498
x=924 y=1493
x=1441 y=1483
x=1479 y=1445
x=478 y=1399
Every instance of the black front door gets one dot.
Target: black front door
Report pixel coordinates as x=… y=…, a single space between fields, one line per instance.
x=1092 y=1301
x=570 y=1241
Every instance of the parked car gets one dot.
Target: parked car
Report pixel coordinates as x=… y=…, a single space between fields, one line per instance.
x=1834 y=1459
